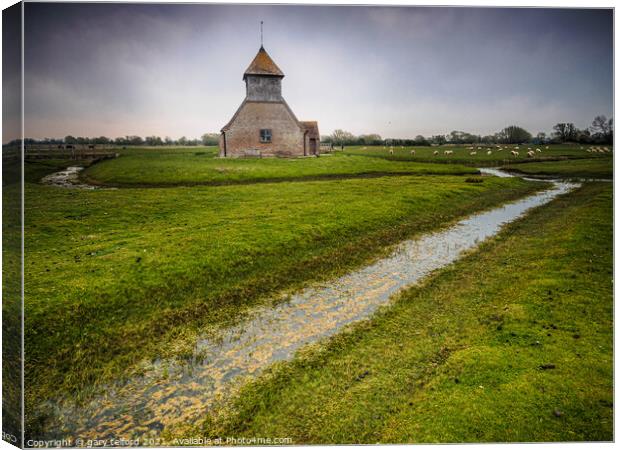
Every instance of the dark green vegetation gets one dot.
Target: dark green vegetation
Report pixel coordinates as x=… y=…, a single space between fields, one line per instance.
x=196 y=166
x=11 y=301
x=462 y=154
x=114 y=276
x=578 y=168
x=512 y=343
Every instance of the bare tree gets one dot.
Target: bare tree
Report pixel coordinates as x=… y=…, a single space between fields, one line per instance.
x=565 y=131
x=603 y=128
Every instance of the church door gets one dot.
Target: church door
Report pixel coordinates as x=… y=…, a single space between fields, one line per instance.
x=313 y=146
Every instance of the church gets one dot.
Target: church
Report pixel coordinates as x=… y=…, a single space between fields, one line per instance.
x=264 y=124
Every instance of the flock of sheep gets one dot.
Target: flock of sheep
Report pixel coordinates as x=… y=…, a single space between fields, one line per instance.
x=598 y=150
x=514 y=151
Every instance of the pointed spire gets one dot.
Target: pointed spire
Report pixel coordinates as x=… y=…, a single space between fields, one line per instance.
x=263 y=65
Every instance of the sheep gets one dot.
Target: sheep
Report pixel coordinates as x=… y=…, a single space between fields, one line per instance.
x=473 y=153
x=447 y=152
x=391 y=152
x=547 y=147
x=539 y=150
x=413 y=152
x=514 y=153
x=489 y=152
x=436 y=152
x=531 y=153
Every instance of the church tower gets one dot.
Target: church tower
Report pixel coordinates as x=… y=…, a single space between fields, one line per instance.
x=263 y=79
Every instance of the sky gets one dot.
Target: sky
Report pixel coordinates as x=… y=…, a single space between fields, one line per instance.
x=176 y=70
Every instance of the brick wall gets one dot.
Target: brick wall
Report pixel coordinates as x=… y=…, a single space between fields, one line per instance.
x=243 y=135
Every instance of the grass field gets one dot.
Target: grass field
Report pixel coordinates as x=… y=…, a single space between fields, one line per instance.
x=462 y=154
x=115 y=276
x=198 y=166
x=512 y=343
x=577 y=168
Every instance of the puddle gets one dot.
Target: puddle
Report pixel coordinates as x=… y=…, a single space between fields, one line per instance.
x=166 y=397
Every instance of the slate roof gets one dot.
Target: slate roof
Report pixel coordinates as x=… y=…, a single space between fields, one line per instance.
x=263 y=65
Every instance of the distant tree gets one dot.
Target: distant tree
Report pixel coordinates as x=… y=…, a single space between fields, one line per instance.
x=603 y=129
x=153 y=141
x=101 y=140
x=182 y=140
x=370 y=139
x=514 y=134
x=341 y=137
x=70 y=140
x=565 y=132
x=438 y=139
x=583 y=136
x=210 y=139
x=541 y=137
x=421 y=140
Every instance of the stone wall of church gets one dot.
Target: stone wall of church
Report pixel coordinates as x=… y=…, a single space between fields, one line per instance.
x=243 y=136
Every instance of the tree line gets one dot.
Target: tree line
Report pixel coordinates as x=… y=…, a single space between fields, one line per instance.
x=600 y=132
x=151 y=141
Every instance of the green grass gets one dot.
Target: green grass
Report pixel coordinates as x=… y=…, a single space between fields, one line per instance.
x=461 y=154
x=115 y=276
x=512 y=343
x=578 y=168
x=198 y=166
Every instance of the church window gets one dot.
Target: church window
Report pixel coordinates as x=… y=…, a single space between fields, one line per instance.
x=265 y=135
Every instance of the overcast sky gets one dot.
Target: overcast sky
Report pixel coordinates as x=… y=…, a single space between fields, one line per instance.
x=174 y=70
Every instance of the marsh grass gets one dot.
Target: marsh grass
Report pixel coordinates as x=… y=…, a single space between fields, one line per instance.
x=182 y=167
x=573 y=168
x=512 y=343
x=114 y=277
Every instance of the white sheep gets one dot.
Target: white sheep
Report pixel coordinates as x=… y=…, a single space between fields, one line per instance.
x=413 y=152
x=436 y=152
x=489 y=152
x=514 y=153
x=539 y=150
x=473 y=153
